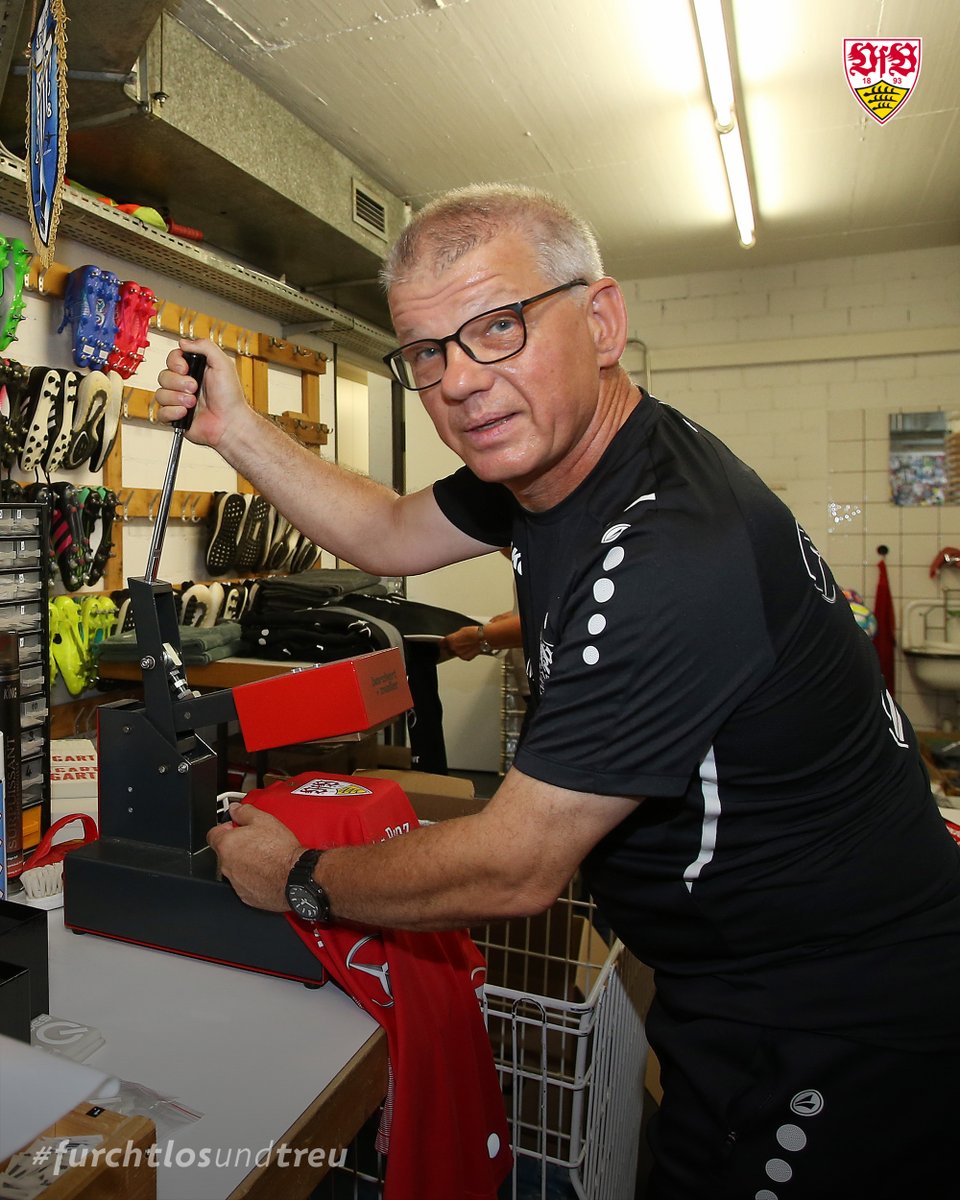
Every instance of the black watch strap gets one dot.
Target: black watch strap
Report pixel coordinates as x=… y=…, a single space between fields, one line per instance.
x=305 y=896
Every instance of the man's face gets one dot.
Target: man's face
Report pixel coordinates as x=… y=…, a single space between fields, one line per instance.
x=522 y=421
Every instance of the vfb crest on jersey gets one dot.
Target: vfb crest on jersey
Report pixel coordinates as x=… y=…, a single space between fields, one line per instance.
x=881 y=72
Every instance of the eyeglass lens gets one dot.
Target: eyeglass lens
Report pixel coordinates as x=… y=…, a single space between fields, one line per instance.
x=487 y=339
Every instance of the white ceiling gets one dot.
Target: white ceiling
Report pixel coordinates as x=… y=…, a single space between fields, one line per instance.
x=602 y=102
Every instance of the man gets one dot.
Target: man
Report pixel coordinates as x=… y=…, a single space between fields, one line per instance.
x=501 y=632
x=710 y=736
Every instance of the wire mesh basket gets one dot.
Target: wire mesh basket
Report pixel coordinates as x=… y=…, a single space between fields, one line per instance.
x=563 y=1011
x=513 y=707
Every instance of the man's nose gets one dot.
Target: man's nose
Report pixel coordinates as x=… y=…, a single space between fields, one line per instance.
x=462 y=374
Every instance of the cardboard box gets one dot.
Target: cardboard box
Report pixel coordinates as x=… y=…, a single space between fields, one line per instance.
x=126 y=1144
x=339 y=757
x=74 y=768
x=434 y=797
x=74 y=776
x=397 y=758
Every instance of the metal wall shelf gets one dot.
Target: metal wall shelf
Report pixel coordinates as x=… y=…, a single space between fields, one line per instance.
x=101 y=227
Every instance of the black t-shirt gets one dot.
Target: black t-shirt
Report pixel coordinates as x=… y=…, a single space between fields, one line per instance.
x=686 y=643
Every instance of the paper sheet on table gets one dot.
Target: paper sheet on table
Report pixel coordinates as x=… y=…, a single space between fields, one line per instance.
x=36 y=1089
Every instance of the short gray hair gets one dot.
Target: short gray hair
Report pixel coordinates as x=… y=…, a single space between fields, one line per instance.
x=459 y=221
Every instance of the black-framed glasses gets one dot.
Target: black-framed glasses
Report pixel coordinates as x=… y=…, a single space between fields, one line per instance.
x=489 y=337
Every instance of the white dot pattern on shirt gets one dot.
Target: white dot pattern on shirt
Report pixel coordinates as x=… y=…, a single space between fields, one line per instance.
x=778 y=1170
x=791 y=1137
x=603 y=590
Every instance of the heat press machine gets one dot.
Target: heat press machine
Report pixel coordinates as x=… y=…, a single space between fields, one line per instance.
x=151 y=878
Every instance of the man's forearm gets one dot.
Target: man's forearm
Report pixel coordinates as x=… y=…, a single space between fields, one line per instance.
x=346 y=514
x=511 y=859
x=443 y=876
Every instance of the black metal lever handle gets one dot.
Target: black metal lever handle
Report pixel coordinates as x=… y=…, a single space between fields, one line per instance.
x=196 y=364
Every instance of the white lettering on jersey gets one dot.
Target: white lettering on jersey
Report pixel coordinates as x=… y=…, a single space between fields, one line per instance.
x=516 y=560
x=546 y=656
x=711 y=817
x=895 y=717
x=816 y=567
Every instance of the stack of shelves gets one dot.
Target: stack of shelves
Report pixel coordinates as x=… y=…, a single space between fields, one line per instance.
x=24 y=577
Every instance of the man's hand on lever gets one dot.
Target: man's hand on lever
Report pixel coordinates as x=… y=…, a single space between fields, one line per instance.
x=223 y=400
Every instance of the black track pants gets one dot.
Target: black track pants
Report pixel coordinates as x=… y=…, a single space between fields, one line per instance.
x=760 y=1114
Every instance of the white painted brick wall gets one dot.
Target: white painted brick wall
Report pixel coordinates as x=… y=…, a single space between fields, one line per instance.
x=816 y=430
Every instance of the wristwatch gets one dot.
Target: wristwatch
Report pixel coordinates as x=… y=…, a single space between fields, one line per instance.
x=304 y=895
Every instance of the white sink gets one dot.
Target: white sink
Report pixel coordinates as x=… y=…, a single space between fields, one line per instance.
x=936 y=665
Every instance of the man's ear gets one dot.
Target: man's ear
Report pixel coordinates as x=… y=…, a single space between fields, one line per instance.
x=607 y=315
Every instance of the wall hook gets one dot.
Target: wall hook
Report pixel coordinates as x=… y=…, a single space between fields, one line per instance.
x=151 y=510
x=192 y=313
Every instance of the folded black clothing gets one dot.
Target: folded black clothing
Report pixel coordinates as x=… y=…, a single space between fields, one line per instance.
x=320 y=617
x=312 y=635
x=412 y=618
x=390 y=632
x=309 y=588
x=306 y=650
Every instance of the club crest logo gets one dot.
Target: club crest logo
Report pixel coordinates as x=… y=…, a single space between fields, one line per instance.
x=331 y=787
x=882 y=72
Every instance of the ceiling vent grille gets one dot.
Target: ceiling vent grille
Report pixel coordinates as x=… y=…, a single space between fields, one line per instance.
x=369 y=212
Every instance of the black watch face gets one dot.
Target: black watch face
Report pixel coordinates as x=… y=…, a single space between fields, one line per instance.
x=303 y=902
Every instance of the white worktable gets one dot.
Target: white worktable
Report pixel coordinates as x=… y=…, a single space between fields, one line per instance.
x=249 y=1051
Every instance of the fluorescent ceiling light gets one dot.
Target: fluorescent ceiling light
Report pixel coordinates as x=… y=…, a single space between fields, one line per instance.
x=736 y=168
x=713 y=42
x=716 y=60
